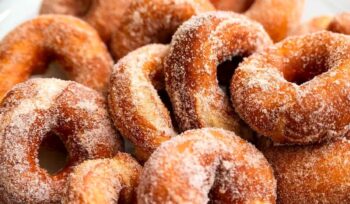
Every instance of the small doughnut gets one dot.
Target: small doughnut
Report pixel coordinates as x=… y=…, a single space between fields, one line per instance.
x=76 y=45
x=40 y=107
x=197 y=48
x=297 y=91
x=137 y=109
x=207 y=166
x=103 y=15
x=312 y=174
x=277 y=16
x=104 y=181
x=340 y=23
x=319 y=23
x=146 y=22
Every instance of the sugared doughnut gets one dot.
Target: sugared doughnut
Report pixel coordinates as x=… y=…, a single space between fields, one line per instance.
x=197 y=49
x=39 y=108
x=207 y=166
x=312 y=174
x=277 y=16
x=70 y=41
x=319 y=23
x=104 y=181
x=153 y=21
x=137 y=109
x=340 y=23
x=103 y=15
x=297 y=91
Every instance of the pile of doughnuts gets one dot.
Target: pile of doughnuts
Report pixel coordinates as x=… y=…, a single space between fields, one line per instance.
x=176 y=101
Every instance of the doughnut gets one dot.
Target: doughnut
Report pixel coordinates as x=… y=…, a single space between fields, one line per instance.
x=104 y=181
x=319 y=23
x=297 y=91
x=277 y=16
x=207 y=166
x=340 y=23
x=197 y=48
x=137 y=109
x=153 y=21
x=35 y=109
x=70 y=41
x=103 y=15
x=312 y=174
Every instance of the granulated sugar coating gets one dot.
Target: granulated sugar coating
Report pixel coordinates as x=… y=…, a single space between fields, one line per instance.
x=153 y=21
x=207 y=165
x=70 y=41
x=197 y=48
x=137 y=109
x=35 y=109
x=104 y=181
x=312 y=174
x=297 y=91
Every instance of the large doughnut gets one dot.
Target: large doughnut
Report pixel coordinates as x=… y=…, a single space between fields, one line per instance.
x=153 y=21
x=103 y=15
x=104 y=181
x=198 y=47
x=207 y=165
x=312 y=174
x=277 y=16
x=76 y=45
x=298 y=90
x=29 y=113
x=137 y=109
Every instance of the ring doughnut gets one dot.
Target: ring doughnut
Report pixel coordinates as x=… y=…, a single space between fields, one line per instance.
x=298 y=90
x=40 y=107
x=104 y=181
x=207 y=165
x=103 y=15
x=197 y=48
x=72 y=42
x=277 y=16
x=316 y=174
x=137 y=109
x=146 y=22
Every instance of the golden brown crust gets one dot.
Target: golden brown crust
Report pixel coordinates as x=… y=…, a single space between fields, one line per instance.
x=312 y=174
x=137 y=109
x=198 y=47
x=298 y=90
x=277 y=16
x=104 y=181
x=70 y=41
x=103 y=15
x=207 y=165
x=40 y=107
x=153 y=21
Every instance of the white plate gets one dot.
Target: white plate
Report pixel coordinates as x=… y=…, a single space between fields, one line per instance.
x=14 y=12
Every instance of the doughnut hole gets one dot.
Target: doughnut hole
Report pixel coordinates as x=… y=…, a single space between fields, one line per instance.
x=238 y=6
x=311 y=67
x=164 y=97
x=225 y=72
x=52 y=154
